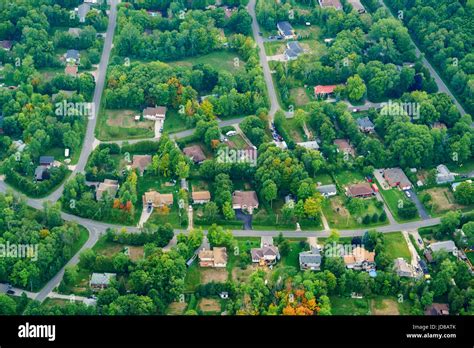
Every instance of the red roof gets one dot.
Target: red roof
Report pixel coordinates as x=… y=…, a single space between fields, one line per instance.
x=324 y=89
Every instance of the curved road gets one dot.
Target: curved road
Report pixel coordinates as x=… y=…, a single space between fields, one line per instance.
x=97 y=228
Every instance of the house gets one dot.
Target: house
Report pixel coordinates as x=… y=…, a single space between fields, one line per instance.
x=360 y=259
x=286 y=30
x=201 y=197
x=396 y=177
x=109 y=186
x=335 y=4
x=443 y=174
x=74 y=31
x=82 y=11
x=141 y=163
x=365 y=125
x=437 y=309
x=428 y=256
x=195 y=153
x=217 y=257
x=71 y=70
x=356 y=5
x=19 y=145
x=321 y=91
x=439 y=125
x=46 y=161
x=361 y=190
x=6 y=45
x=403 y=268
x=311 y=145
x=267 y=254
x=327 y=190
x=293 y=50
x=154 y=199
x=447 y=245
x=72 y=56
x=41 y=173
x=344 y=146
x=310 y=260
x=245 y=200
x=157 y=113
x=100 y=281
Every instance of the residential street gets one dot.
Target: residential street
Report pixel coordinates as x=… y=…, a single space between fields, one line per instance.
x=274 y=106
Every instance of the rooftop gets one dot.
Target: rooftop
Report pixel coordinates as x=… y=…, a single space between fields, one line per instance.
x=195 y=153
x=245 y=198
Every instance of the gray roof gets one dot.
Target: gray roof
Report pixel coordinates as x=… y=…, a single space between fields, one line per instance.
x=295 y=47
x=312 y=256
x=365 y=122
x=327 y=188
x=72 y=54
x=447 y=245
x=46 y=159
x=39 y=171
x=285 y=27
x=82 y=10
x=101 y=278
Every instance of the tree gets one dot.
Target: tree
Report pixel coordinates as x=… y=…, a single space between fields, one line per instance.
x=7 y=305
x=355 y=88
x=219 y=237
x=228 y=211
x=269 y=191
x=464 y=193
x=450 y=222
x=312 y=205
x=210 y=211
x=284 y=247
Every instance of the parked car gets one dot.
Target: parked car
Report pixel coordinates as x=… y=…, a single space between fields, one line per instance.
x=260 y=33
x=11 y=292
x=408 y=194
x=355 y=110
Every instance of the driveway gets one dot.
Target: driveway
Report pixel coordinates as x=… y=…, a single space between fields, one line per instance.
x=245 y=218
x=421 y=209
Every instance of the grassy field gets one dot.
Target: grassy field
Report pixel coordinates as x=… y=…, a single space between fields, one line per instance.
x=238 y=142
x=338 y=215
x=323 y=178
x=120 y=124
x=349 y=306
x=174 y=122
x=346 y=178
x=274 y=47
x=396 y=246
x=393 y=197
x=220 y=60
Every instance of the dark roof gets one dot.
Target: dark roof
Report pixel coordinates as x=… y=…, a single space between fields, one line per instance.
x=437 y=309
x=365 y=122
x=295 y=47
x=312 y=256
x=73 y=54
x=6 y=44
x=327 y=188
x=40 y=172
x=285 y=27
x=46 y=159
x=195 y=153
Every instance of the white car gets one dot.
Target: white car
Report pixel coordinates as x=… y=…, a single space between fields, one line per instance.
x=408 y=194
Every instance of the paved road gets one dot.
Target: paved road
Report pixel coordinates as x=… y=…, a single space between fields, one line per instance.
x=419 y=206
x=439 y=81
x=274 y=106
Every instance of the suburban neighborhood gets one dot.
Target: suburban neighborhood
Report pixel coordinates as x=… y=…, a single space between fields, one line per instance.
x=225 y=158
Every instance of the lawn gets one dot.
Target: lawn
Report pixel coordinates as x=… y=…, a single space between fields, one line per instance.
x=193 y=277
x=346 y=178
x=464 y=168
x=175 y=122
x=220 y=60
x=338 y=215
x=273 y=48
x=349 y=306
x=300 y=96
x=323 y=178
x=296 y=132
x=237 y=141
x=396 y=246
x=292 y=259
x=393 y=197
x=120 y=124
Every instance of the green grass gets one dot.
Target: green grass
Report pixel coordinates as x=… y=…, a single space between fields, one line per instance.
x=464 y=168
x=396 y=246
x=292 y=259
x=348 y=177
x=336 y=220
x=175 y=122
x=239 y=142
x=392 y=197
x=323 y=178
x=219 y=60
x=274 y=47
x=193 y=277
x=122 y=125
x=349 y=306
